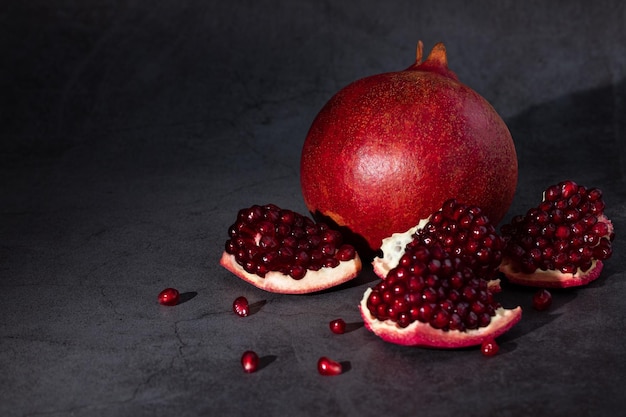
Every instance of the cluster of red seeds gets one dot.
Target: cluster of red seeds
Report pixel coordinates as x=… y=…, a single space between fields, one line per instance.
x=562 y=233
x=442 y=278
x=268 y=238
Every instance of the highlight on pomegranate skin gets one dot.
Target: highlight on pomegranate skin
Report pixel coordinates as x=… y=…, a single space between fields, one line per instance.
x=439 y=288
x=560 y=243
x=283 y=251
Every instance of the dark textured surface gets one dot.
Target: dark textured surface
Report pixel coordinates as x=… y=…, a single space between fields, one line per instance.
x=132 y=132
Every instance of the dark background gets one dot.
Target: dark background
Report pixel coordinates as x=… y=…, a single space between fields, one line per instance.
x=131 y=133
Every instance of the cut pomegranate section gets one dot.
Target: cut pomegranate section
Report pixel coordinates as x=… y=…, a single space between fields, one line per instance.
x=560 y=243
x=439 y=288
x=282 y=251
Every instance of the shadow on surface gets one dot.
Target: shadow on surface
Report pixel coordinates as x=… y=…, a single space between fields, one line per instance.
x=578 y=136
x=186 y=296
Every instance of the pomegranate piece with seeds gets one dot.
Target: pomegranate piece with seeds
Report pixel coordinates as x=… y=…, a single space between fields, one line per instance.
x=283 y=251
x=438 y=290
x=560 y=243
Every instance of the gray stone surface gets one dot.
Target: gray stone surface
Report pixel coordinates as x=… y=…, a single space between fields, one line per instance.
x=132 y=132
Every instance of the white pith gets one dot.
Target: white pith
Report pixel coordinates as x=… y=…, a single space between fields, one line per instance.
x=312 y=281
x=393 y=247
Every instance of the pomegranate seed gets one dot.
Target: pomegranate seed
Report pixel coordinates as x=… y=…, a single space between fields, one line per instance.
x=169 y=297
x=542 y=299
x=250 y=361
x=328 y=367
x=338 y=326
x=241 y=306
x=489 y=347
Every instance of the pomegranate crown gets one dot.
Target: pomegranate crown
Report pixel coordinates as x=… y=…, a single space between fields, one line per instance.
x=437 y=61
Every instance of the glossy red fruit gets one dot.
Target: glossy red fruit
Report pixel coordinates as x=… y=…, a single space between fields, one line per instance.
x=338 y=326
x=562 y=242
x=241 y=306
x=282 y=251
x=438 y=290
x=489 y=347
x=388 y=149
x=250 y=361
x=329 y=367
x=169 y=297
x=542 y=300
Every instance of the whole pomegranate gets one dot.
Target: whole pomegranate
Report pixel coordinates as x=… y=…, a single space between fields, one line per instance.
x=389 y=149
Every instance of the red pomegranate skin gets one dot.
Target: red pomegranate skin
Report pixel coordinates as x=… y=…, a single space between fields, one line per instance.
x=389 y=149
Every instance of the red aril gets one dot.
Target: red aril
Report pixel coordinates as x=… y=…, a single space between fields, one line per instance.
x=250 y=361
x=337 y=326
x=489 y=348
x=542 y=299
x=329 y=367
x=560 y=243
x=169 y=297
x=285 y=252
x=388 y=149
x=241 y=306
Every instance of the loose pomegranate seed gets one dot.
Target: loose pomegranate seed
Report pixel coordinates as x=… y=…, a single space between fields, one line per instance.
x=338 y=326
x=250 y=361
x=542 y=299
x=169 y=297
x=241 y=306
x=267 y=238
x=328 y=367
x=489 y=347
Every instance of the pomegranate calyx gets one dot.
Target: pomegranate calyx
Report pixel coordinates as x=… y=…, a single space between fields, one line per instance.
x=437 y=61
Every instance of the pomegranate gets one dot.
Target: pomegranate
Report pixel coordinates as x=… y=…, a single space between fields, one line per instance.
x=388 y=149
x=285 y=252
x=438 y=289
x=560 y=243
